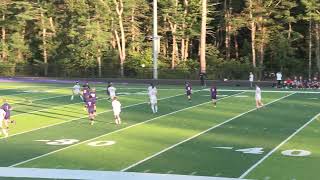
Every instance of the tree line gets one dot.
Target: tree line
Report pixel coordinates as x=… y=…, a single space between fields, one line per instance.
x=238 y=36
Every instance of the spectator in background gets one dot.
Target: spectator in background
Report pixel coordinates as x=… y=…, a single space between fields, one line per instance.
x=315 y=83
x=279 y=79
x=288 y=83
x=202 y=76
x=251 y=78
x=300 y=83
x=295 y=82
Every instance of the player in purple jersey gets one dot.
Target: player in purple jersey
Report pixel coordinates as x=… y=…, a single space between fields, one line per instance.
x=188 y=91
x=91 y=106
x=7 y=108
x=214 y=92
x=93 y=94
x=86 y=90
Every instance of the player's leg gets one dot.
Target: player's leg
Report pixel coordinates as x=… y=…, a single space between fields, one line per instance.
x=91 y=118
x=4 y=127
x=152 y=107
x=156 y=107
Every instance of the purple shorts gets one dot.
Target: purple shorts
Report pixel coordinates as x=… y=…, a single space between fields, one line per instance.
x=7 y=116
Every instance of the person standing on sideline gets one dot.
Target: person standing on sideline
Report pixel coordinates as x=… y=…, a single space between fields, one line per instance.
x=152 y=92
x=259 y=103
x=116 y=107
x=251 y=78
x=202 y=79
x=279 y=79
x=213 y=91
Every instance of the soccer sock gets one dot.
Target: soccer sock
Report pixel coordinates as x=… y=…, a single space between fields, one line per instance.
x=81 y=97
x=156 y=108
x=71 y=97
x=152 y=107
x=4 y=131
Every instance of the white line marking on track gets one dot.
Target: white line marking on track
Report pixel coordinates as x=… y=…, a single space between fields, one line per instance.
x=222 y=147
x=276 y=148
x=199 y=134
x=119 y=130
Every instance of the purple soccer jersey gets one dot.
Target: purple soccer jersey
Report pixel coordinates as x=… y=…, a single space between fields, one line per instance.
x=86 y=91
x=90 y=105
x=94 y=96
x=7 y=108
x=213 y=91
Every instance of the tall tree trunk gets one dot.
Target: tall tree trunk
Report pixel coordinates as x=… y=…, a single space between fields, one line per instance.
x=53 y=29
x=186 y=51
x=317 y=29
x=236 y=45
x=120 y=41
x=44 y=44
x=174 y=54
x=203 y=37
x=3 y=39
x=227 y=16
x=184 y=26
x=99 y=63
x=253 y=35
x=310 y=48
x=289 y=30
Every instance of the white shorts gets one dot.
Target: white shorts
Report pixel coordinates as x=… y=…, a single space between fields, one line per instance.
x=153 y=100
x=112 y=95
x=116 y=113
x=76 y=92
x=258 y=98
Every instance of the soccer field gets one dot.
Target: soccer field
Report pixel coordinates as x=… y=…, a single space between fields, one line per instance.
x=234 y=140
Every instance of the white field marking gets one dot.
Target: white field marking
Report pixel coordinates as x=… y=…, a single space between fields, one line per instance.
x=276 y=148
x=242 y=96
x=119 y=130
x=42 y=140
x=246 y=90
x=169 y=172
x=313 y=98
x=58 y=107
x=145 y=171
x=52 y=108
x=95 y=175
x=199 y=134
x=217 y=95
x=222 y=147
x=193 y=173
x=27 y=93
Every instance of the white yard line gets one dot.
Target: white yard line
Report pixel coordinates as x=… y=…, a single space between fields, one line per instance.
x=246 y=90
x=53 y=108
x=94 y=175
x=9 y=95
x=81 y=117
x=276 y=148
x=199 y=134
x=119 y=130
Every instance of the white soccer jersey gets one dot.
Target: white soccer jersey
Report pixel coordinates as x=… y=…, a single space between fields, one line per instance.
x=76 y=88
x=279 y=76
x=112 y=91
x=251 y=77
x=116 y=106
x=258 y=93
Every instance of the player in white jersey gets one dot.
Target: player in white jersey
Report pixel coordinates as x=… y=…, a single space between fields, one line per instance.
x=116 y=107
x=112 y=91
x=3 y=123
x=152 y=92
x=259 y=103
x=76 y=90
